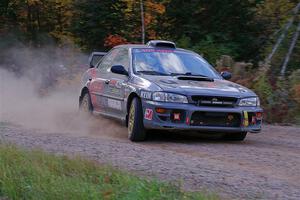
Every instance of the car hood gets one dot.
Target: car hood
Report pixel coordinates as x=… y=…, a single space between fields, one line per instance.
x=217 y=87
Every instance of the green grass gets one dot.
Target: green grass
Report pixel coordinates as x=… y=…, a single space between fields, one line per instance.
x=28 y=174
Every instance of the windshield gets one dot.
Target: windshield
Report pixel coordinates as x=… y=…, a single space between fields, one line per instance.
x=171 y=62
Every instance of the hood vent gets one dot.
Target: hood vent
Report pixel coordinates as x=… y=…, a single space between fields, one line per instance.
x=195 y=78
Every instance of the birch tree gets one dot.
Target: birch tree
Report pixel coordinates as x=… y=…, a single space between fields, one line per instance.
x=291 y=48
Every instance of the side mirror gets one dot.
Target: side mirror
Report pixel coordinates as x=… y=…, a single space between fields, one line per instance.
x=119 y=69
x=226 y=75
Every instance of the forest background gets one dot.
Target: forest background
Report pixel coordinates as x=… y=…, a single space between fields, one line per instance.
x=257 y=40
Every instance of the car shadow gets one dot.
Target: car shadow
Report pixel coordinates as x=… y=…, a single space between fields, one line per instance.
x=188 y=137
x=115 y=129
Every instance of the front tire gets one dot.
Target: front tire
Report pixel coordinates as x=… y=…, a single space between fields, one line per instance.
x=136 y=130
x=235 y=136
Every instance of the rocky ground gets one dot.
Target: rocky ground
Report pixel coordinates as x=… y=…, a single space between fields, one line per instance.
x=264 y=166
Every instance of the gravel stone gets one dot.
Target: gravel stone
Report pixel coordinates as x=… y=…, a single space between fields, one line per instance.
x=264 y=166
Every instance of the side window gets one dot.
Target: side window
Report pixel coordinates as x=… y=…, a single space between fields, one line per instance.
x=122 y=58
x=108 y=60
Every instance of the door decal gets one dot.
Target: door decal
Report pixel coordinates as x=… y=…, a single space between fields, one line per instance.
x=115 y=104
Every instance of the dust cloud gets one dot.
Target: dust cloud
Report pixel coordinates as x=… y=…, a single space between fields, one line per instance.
x=33 y=100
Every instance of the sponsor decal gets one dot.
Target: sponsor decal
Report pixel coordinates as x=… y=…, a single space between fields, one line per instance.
x=115 y=90
x=117 y=83
x=157 y=50
x=146 y=95
x=96 y=87
x=176 y=116
x=93 y=73
x=246 y=121
x=154 y=50
x=253 y=121
x=187 y=121
x=115 y=104
x=211 y=85
x=112 y=82
x=148 y=114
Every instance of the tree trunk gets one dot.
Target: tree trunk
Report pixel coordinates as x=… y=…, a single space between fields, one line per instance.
x=6 y=4
x=282 y=36
x=291 y=48
x=143 y=21
x=29 y=20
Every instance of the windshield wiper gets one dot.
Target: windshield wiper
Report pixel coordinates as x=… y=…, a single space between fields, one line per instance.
x=152 y=73
x=187 y=74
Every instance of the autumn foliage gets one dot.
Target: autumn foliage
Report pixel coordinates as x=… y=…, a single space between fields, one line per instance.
x=296 y=90
x=245 y=31
x=113 y=40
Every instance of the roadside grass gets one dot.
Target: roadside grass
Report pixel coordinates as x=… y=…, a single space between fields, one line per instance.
x=34 y=174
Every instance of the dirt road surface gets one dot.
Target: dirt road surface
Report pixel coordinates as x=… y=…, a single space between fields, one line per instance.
x=264 y=166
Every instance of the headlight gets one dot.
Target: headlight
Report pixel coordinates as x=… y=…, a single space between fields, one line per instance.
x=169 y=97
x=253 y=101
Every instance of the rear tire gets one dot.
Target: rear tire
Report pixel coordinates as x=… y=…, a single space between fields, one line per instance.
x=85 y=105
x=235 y=136
x=136 y=130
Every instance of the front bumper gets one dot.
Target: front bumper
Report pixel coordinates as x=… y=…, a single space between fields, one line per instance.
x=190 y=117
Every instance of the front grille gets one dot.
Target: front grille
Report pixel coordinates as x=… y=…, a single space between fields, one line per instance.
x=214 y=101
x=220 y=119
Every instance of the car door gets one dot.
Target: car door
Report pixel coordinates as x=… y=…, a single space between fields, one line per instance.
x=98 y=82
x=115 y=85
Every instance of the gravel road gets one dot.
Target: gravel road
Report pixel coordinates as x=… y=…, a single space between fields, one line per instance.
x=264 y=166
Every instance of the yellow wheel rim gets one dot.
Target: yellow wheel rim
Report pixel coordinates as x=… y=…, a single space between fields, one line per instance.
x=131 y=119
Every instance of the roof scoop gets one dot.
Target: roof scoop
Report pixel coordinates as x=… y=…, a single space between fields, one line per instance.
x=161 y=43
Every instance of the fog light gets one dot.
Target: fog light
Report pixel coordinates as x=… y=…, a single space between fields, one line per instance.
x=230 y=117
x=259 y=115
x=160 y=110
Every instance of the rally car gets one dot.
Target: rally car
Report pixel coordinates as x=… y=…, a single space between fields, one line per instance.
x=159 y=86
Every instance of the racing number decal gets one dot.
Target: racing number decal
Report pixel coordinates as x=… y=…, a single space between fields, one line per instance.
x=148 y=114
